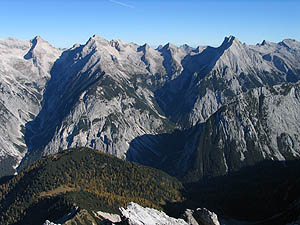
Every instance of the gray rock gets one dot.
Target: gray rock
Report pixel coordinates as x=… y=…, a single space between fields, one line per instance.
x=189 y=218
x=262 y=124
x=135 y=214
x=124 y=99
x=205 y=217
x=24 y=71
x=201 y=216
x=50 y=223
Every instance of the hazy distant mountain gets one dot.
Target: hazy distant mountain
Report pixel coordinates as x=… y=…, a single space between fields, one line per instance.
x=147 y=105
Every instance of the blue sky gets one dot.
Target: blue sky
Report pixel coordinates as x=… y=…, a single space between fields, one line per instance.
x=194 y=22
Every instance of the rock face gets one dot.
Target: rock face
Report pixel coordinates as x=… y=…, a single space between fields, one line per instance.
x=113 y=218
x=138 y=103
x=94 y=99
x=211 y=76
x=24 y=71
x=201 y=216
x=50 y=223
x=262 y=124
x=135 y=214
x=189 y=218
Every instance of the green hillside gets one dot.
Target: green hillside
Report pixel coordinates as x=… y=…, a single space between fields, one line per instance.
x=86 y=178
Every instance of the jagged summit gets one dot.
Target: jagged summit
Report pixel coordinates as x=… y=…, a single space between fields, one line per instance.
x=264 y=42
x=38 y=50
x=159 y=47
x=165 y=107
x=230 y=38
x=105 y=94
x=34 y=42
x=199 y=49
x=290 y=44
x=97 y=39
x=186 y=47
x=146 y=46
x=114 y=46
x=230 y=41
x=169 y=47
x=75 y=46
x=37 y=38
x=25 y=69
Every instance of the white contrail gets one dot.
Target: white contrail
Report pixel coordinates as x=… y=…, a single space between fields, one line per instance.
x=122 y=4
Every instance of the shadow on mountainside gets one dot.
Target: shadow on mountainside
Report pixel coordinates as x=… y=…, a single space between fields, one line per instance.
x=61 y=94
x=180 y=94
x=177 y=97
x=170 y=152
x=159 y=151
x=265 y=193
x=5 y=179
x=50 y=208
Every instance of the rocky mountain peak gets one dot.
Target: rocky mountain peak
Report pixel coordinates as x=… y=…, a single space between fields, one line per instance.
x=38 y=41
x=199 y=49
x=75 y=46
x=37 y=38
x=159 y=47
x=116 y=91
x=230 y=42
x=146 y=46
x=169 y=47
x=96 y=39
x=264 y=43
x=290 y=44
x=39 y=48
x=186 y=48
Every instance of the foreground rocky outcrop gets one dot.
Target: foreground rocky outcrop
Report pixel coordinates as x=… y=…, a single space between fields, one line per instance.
x=134 y=214
x=200 y=216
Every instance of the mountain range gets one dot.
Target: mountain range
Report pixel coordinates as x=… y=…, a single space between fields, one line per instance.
x=193 y=112
x=222 y=120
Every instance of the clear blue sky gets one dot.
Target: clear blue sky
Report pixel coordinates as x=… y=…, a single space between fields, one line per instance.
x=194 y=22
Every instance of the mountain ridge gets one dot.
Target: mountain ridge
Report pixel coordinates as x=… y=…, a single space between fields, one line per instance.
x=209 y=116
x=106 y=94
x=24 y=70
